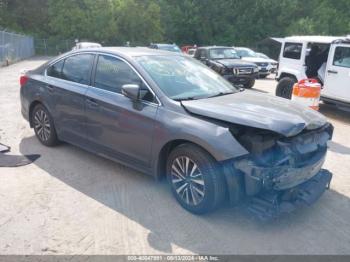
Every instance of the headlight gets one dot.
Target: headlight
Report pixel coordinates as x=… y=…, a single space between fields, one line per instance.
x=256 y=69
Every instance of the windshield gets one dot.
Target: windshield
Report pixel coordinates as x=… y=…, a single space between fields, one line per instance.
x=261 y=55
x=223 y=53
x=246 y=53
x=172 y=48
x=182 y=78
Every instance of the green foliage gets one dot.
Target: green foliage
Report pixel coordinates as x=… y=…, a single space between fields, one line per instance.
x=201 y=22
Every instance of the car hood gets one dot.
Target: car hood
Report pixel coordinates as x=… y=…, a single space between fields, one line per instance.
x=271 y=61
x=262 y=111
x=230 y=63
x=256 y=59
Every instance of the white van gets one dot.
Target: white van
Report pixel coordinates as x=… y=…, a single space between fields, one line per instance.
x=326 y=58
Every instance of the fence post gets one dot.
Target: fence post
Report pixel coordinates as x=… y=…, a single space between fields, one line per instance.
x=45 y=47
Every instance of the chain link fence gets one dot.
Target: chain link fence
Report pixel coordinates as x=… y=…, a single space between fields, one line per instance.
x=15 y=47
x=52 y=47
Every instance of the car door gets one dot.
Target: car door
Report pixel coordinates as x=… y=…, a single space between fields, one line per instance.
x=67 y=82
x=117 y=126
x=337 y=77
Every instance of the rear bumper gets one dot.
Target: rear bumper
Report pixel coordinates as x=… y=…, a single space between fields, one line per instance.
x=24 y=107
x=272 y=204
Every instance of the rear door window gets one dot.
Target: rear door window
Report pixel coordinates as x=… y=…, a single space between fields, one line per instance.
x=342 y=56
x=56 y=69
x=77 y=68
x=292 y=50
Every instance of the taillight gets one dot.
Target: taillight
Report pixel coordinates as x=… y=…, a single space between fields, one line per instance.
x=23 y=80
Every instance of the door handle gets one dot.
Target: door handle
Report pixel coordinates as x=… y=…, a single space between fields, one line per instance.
x=50 y=88
x=332 y=72
x=92 y=102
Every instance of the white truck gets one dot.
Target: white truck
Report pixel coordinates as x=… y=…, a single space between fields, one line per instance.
x=326 y=58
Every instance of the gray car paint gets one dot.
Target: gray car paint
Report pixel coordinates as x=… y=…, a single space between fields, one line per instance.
x=258 y=110
x=153 y=127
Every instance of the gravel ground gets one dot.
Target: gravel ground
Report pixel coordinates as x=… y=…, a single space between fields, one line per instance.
x=73 y=202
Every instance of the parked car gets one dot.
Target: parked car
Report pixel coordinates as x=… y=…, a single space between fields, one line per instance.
x=191 y=52
x=273 y=63
x=185 y=49
x=249 y=55
x=167 y=114
x=82 y=45
x=226 y=62
x=166 y=47
x=326 y=58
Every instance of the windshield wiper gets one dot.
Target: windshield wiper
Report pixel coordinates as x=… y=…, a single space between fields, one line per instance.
x=185 y=98
x=203 y=97
x=222 y=94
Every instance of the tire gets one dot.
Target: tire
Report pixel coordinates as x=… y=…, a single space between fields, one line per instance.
x=199 y=188
x=249 y=84
x=285 y=87
x=43 y=126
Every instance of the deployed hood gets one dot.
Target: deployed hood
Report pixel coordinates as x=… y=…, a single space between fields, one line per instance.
x=230 y=63
x=258 y=110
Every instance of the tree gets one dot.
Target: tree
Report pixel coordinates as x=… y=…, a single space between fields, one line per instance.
x=138 y=22
x=82 y=19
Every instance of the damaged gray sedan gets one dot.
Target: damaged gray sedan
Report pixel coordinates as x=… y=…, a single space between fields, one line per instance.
x=166 y=114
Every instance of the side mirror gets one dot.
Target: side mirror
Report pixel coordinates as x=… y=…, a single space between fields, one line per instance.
x=131 y=91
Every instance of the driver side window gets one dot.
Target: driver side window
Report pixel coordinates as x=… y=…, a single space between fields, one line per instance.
x=112 y=73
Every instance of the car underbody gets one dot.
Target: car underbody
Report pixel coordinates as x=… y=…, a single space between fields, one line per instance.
x=281 y=173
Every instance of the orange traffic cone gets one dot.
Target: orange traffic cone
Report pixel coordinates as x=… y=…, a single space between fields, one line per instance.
x=307 y=92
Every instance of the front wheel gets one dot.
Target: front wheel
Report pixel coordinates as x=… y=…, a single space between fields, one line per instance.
x=249 y=84
x=195 y=179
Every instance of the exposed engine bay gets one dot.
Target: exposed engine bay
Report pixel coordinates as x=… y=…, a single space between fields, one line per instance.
x=277 y=167
x=277 y=162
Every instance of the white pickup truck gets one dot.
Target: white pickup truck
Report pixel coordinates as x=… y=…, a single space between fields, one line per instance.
x=326 y=58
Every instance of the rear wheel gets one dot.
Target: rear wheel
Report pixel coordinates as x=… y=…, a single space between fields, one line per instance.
x=249 y=84
x=285 y=87
x=195 y=179
x=43 y=126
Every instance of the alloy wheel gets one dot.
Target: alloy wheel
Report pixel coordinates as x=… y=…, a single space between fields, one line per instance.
x=187 y=180
x=42 y=125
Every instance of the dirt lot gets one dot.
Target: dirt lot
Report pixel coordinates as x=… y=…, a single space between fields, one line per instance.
x=73 y=202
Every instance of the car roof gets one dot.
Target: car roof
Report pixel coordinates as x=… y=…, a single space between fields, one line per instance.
x=242 y=48
x=311 y=38
x=88 y=43
x=213 y=46
x=163 y=44
x=130 y=51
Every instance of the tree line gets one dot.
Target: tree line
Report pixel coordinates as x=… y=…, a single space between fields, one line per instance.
x=201 y=22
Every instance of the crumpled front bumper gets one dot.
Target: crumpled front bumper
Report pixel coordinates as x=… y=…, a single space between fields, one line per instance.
x=258 y=179
x=272 y=204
